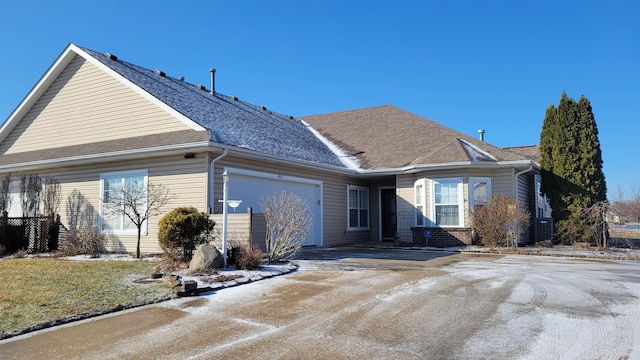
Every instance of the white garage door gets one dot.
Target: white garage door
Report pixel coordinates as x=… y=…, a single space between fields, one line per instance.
x=251 y=187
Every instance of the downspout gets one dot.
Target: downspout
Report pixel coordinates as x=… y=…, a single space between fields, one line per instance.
x=516 y=188
x=212 y=179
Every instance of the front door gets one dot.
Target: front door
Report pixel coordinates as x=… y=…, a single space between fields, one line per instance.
x=388 y=213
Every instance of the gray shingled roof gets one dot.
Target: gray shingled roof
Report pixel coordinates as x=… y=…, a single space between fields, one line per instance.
x=389 y=137
x=229 y=121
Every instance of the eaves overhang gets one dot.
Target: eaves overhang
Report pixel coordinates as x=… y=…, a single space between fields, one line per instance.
x=513 y=164
x=106 y=157
x=165 y=150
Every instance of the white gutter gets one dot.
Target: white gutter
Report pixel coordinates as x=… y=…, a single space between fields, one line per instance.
x=102 y=157
x=212 y=175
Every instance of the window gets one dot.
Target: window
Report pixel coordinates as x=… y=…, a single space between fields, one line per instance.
x=479 y=191
x=358 y=208
x=419 y=198
x=112 y=184
x=448 y=202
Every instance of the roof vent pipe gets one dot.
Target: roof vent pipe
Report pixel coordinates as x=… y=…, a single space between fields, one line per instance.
x=213 y=80
x=481 y=134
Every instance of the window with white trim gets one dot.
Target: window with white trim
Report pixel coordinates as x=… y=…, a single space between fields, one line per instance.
x=479 y=191
x=448 y=202
x=419 y=201
x=113 y=185
x=358 y=207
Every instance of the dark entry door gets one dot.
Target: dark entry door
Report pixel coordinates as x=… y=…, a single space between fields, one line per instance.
x=388 y=213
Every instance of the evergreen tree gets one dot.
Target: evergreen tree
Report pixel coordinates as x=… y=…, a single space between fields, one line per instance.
x=571 y=161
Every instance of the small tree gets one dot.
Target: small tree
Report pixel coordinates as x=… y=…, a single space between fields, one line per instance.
x=493 y=222
x=138 y=202
x=182 y=229
x=288 y=221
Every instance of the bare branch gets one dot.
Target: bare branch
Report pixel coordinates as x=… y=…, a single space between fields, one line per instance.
x=137 y=202
x=288 y=220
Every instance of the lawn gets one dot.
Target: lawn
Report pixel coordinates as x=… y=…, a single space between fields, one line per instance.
x=624 y=233
x=37 y=291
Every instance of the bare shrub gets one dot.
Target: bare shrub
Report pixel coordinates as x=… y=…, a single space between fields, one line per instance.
x=586 y=225
x=170 y=264
x=30 y=194
x=20 y=254
x=248 y=257
x=5 y=199
x=84 y=241
x=52 y=195
x=499 y=220
x=288 y=221
x=581 y=245
x=544 y=244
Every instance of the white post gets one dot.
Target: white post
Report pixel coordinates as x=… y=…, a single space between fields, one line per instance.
x=225 y=180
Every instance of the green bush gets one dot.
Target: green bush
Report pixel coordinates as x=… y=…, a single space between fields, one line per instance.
x=180 y=230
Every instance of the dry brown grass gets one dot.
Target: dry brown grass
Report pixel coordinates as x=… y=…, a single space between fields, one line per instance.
x=36 y=291
x=624 y=234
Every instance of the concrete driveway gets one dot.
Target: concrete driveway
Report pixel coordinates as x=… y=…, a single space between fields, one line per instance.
x=354 y=303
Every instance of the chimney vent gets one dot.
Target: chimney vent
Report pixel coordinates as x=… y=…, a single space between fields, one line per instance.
x=158 y=72
x=181 y=78
x=111 y=56
x=481 y=134
x=213 y=80
x=201 y=87
x=235 y=98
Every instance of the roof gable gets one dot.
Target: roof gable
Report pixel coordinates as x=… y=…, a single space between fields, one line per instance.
x=389 y=137
x=229 y=120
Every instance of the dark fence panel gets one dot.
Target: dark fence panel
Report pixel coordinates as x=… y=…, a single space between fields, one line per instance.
x=33 y=234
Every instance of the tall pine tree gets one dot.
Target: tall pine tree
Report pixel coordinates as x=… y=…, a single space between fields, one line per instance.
x=571 y=160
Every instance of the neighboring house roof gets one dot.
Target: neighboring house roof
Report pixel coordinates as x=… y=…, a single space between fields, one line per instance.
x=530 y=151
x=385 y=137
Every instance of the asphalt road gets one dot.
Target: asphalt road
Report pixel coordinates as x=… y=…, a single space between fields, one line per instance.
x=379 y=304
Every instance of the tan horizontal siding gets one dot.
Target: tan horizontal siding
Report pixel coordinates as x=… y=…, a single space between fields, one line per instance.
x=334 y=196
x=185 y=179
x=502 y=183
x=85 y=105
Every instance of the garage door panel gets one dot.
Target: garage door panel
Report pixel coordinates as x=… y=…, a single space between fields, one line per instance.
x=251 y=189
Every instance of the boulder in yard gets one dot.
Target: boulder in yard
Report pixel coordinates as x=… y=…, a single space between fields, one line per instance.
x=206 y=257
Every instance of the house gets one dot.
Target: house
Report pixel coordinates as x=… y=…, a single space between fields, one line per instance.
x=424 y=178
x=94 y=120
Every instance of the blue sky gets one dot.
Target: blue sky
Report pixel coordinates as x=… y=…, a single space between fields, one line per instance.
x=494 y=65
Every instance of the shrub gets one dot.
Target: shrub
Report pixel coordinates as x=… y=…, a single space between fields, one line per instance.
x=248 y=257
x=498 y=222
x=84 y=241
x=544 y=244
x=288 y=221
x=181 y=229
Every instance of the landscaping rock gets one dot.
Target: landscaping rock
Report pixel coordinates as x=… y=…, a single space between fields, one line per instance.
x=206 y=257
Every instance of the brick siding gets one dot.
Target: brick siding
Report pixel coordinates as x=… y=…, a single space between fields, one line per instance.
x=442 y=237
